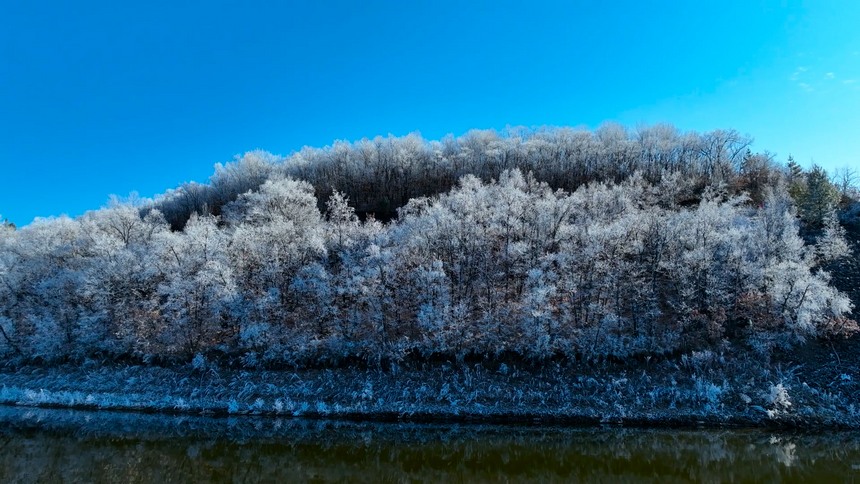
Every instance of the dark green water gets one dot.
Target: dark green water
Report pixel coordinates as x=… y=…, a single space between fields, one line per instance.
x=67 y=446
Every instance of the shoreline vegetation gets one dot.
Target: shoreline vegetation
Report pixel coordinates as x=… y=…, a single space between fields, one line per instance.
x=648 y=277
x=700 y=390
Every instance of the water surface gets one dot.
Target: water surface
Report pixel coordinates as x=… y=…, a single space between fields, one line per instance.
x=72 y=446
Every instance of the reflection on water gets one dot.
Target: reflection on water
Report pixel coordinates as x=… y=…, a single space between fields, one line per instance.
x=57 y=446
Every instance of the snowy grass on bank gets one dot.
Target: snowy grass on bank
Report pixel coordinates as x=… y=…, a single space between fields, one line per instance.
x=701 y=388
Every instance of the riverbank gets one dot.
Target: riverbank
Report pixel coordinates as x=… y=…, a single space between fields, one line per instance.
x=702 y=388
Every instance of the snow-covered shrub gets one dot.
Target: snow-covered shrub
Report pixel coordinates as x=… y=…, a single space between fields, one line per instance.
x=778 y=399
x=199 y=363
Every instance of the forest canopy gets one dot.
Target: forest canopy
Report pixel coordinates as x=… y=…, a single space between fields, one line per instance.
x=537 y=243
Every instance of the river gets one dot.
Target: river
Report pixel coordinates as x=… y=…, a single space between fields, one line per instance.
x=41 y=445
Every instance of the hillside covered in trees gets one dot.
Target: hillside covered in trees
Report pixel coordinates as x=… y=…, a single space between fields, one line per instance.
x=554 y=244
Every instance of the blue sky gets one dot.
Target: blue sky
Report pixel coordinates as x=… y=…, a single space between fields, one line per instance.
x=102 y=98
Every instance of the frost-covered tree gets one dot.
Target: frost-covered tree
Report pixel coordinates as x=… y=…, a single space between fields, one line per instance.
x=43 y=268
x=276 y=231
x=831 y=245
x=120 y=278
x=197 y=289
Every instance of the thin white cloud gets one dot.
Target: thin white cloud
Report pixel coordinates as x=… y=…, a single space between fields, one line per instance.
x=849 y=81
x=795 y=76
x=799 y=78
x=830 y=75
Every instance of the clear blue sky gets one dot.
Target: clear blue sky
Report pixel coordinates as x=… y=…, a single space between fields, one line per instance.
x=112 y=97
